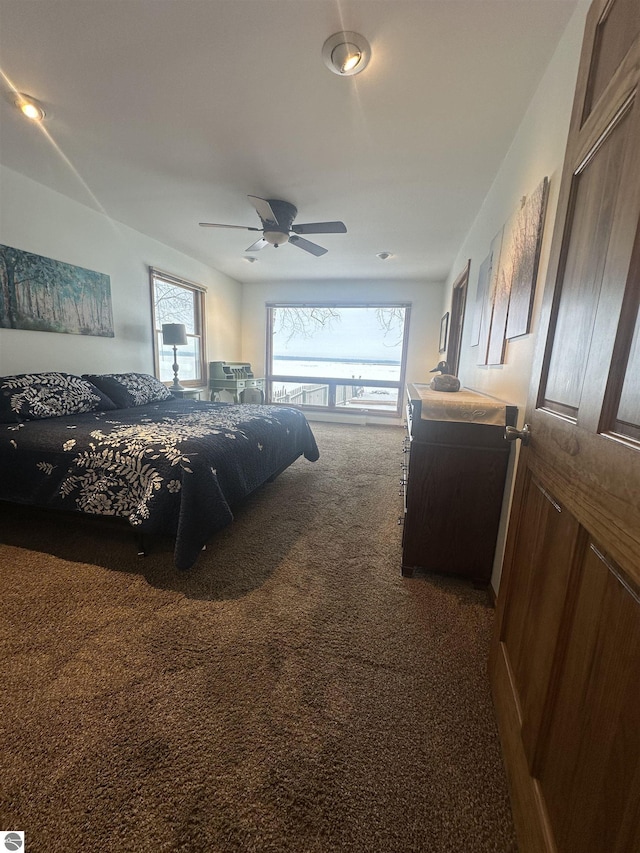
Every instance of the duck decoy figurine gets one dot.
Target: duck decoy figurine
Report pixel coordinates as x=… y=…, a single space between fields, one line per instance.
x=445 y=381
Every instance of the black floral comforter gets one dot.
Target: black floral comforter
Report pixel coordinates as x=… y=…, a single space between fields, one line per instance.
x=176 y=466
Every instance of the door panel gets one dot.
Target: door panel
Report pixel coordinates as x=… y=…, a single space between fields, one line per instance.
x=615 y=33
x=594 y=194
x=586 y=776
x=565 y=660
x=547 y=537
x=627 y=421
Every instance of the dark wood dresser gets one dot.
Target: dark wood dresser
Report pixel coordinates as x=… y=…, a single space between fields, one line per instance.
x=456 y=459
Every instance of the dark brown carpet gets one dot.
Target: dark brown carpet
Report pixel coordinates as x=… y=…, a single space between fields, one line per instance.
x=291 y=693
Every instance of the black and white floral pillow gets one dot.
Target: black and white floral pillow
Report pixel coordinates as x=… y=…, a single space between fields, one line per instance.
x=130 y=389
x=34 y=396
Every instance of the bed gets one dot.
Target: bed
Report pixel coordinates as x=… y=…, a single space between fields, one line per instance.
x=121 y=445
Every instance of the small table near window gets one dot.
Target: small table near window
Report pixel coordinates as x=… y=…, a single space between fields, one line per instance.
x=234 y=382
x=187 y=393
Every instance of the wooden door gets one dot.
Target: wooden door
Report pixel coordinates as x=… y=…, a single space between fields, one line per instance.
x=565 y=661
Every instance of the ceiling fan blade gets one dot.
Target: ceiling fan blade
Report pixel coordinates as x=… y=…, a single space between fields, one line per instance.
x=263 y=208
x=259 y=244
x=307 y=245
x=320 y=228
x=217 y=225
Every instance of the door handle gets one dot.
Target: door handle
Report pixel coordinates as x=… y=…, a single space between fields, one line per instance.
x=513 y=434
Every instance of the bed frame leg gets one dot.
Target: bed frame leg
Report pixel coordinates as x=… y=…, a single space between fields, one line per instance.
x=142 y=550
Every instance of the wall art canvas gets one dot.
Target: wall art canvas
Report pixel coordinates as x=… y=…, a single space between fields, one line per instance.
x=481 y=292
x=508 y=277
x=44 y=295
x=444 y=332
x=489 y=297
x=501 y=292
x=527 y=239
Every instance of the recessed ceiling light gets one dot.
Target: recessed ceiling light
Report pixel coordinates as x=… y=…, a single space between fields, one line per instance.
x=346 y=53
x=249 y=259
x=29 y=107
x=384 y=256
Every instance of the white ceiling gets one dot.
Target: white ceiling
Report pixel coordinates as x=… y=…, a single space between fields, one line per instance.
x=164 y=113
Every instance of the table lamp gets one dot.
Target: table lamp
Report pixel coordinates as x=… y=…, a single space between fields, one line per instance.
x=175 y=335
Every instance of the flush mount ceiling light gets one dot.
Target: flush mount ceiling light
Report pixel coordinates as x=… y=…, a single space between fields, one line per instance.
x=29 y=107
x=346 y=53
x=384 y=256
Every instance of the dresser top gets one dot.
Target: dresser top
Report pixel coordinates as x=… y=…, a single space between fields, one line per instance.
x=463 y=406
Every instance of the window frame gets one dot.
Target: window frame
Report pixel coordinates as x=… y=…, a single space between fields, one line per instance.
x=333 y=382
x=199 y=324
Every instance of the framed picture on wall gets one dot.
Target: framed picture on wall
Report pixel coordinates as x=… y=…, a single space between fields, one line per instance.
x=444 y=330
x=45 y=295
x=528 y=229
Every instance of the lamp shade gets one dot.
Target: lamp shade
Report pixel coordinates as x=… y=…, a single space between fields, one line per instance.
x=174 y=334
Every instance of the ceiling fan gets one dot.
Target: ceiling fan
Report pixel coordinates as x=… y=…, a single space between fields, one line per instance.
x=277 y=226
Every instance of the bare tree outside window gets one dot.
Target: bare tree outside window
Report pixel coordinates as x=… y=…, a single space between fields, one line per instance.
x=174 y=305
x=299 y=321
x=392 y=321
x=302 y=321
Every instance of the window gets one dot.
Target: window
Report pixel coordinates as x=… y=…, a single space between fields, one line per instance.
x=175 y=300
x=347 y=357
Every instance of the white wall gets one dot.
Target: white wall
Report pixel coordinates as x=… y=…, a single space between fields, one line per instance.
x=536 y=151
x=39 y=220
x=425 y=299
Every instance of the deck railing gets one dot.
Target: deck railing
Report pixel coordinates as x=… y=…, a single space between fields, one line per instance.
x=302 y=395
x=328 y=392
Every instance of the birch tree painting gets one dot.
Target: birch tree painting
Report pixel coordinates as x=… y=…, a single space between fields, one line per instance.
x=527 y=239
x=507 y=280
x=43 y=295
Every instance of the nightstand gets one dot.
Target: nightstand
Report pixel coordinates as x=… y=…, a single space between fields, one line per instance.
x=187 y=393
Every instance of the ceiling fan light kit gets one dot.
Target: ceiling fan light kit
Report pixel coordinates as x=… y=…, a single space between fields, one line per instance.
x=346 y=53
x=276 y=238
x=277 y=224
